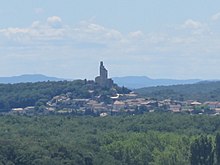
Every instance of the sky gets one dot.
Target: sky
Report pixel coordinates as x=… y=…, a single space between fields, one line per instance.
x=67 y=39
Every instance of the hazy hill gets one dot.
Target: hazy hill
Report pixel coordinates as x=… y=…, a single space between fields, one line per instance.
x=132 y=82
x=135 y=82
x=28 y=78
x=202 y=91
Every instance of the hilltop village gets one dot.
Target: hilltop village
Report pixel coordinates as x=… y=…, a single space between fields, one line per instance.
x=117 y=103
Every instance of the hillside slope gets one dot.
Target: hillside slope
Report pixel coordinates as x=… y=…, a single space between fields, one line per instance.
x=203 y=91
x=134 y=82
x=27 y=78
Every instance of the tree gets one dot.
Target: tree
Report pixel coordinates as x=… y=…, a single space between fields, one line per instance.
x=217 y=149
x=202 y=151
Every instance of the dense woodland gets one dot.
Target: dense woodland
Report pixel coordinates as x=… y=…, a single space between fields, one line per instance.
x=203 y=91
x=150 y=139
x=36 y=94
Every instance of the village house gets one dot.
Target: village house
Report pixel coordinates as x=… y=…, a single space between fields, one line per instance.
x=118 y=105
x=195 y=103
x=175 y=108
x=23 y=110
x=212 y=105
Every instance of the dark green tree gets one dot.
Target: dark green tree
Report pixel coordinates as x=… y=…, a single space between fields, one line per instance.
x=217 y=148
x=202 y=151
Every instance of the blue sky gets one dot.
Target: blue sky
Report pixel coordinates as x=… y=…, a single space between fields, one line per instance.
x=155 y=38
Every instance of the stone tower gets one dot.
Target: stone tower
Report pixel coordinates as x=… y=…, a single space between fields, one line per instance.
x=103 y=72
x=103 y=79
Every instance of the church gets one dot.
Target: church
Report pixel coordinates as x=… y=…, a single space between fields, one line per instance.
x=103 y=79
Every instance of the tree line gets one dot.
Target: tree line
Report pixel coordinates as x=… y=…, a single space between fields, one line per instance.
x=149 y=139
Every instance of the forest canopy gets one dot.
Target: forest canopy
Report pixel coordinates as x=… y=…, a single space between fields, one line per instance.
x=150 y=139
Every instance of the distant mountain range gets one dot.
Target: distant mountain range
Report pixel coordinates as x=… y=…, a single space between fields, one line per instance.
x=132 y=82
x=27 y=78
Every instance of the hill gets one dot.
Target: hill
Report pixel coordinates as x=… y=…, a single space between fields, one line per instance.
x=27 y=78
x=134 y=82
x=37 y=94
x=203 y=91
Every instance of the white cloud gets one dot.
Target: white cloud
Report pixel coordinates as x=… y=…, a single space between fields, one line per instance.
x=91 y=41
x=54 y=21
x=216 y=17
x=93 y=32
x=90 y=32
x=91 y=27
x=36 y=24
x=41 y=32
x=112 y=34
x=191 y=24
x=137 y=34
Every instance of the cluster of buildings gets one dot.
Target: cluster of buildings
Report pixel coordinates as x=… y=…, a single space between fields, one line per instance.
x=122 y=103
x=119 y=104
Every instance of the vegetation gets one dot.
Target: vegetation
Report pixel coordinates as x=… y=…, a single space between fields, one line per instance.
x=204 y=91
x=149 y=139
x=202 y=152
x=35 y=94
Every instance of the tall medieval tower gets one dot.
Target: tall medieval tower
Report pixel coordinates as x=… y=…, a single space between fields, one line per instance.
x=103 y=72
x=103 y=79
